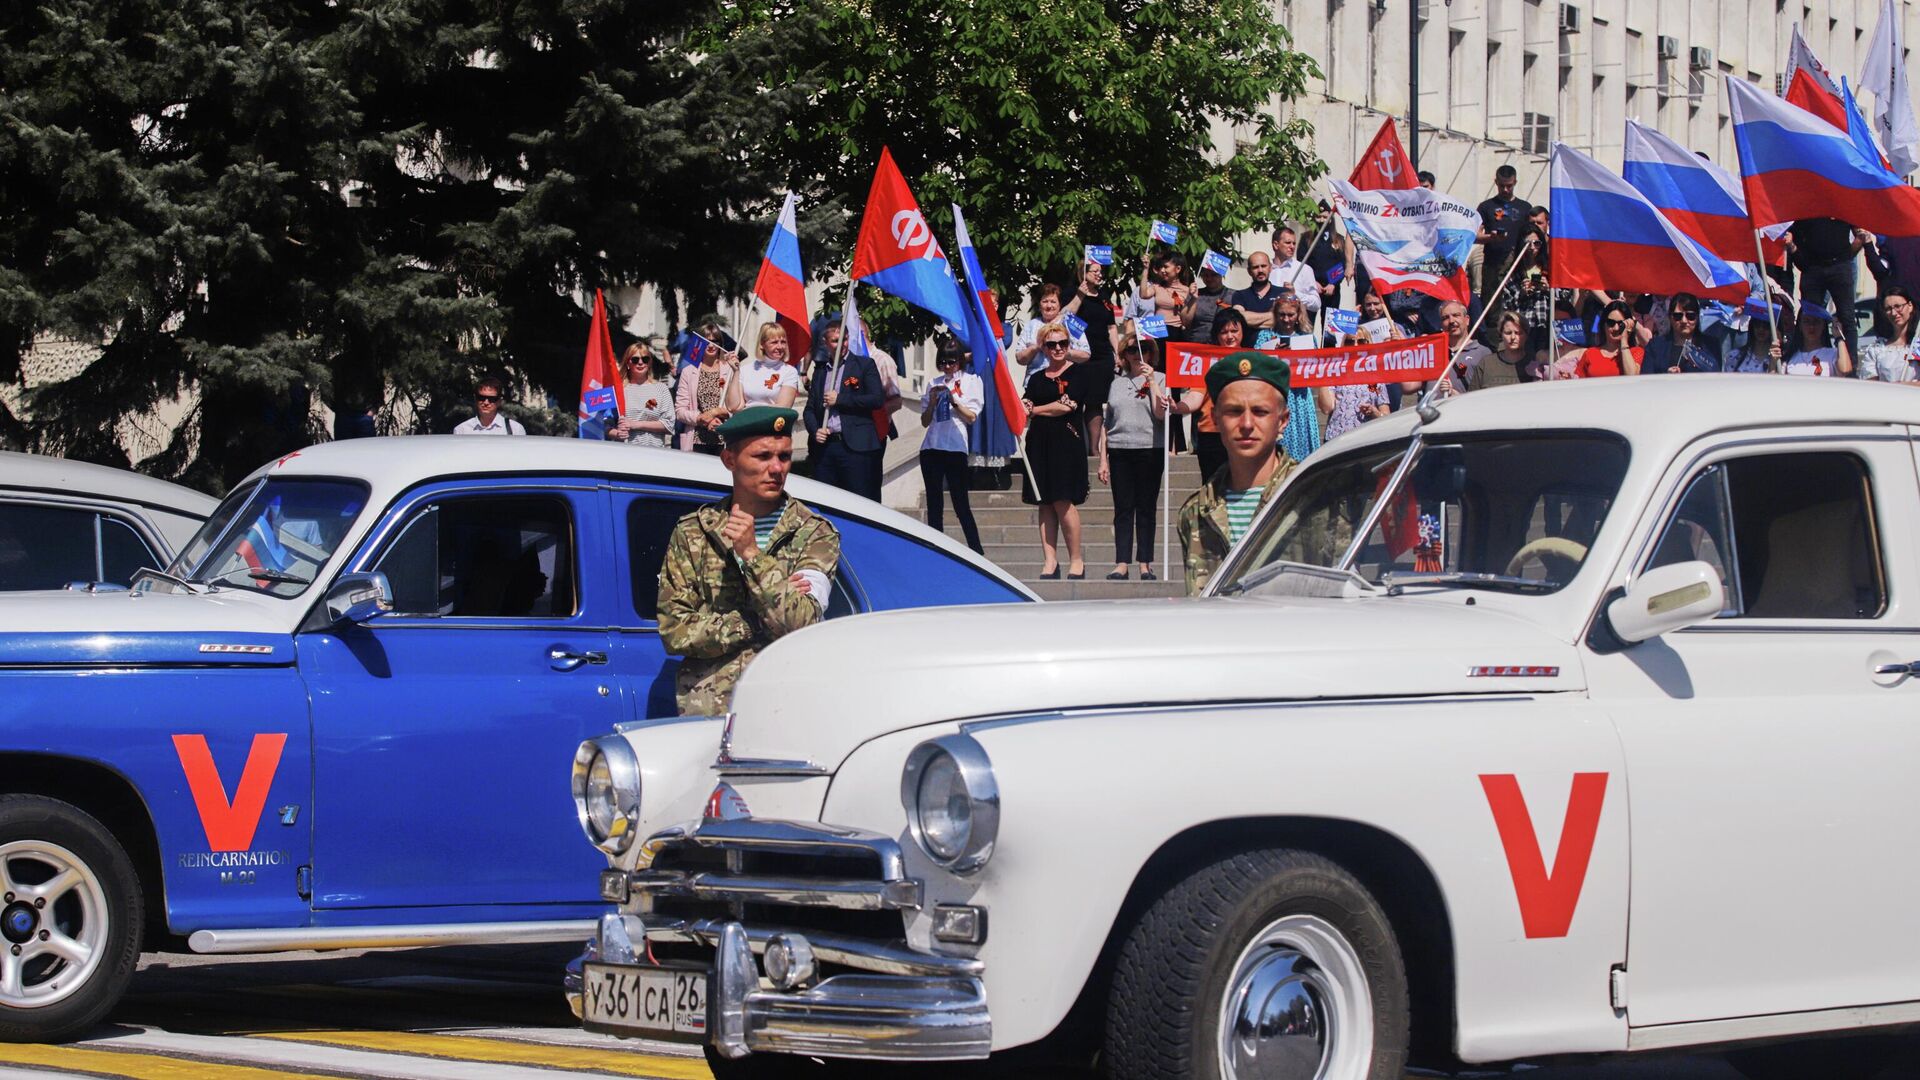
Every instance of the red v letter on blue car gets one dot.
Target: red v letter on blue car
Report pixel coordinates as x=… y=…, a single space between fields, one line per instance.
x=230 y=825
x=1546 y=903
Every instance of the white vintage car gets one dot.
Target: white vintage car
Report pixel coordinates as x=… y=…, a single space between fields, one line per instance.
x=1601 y=738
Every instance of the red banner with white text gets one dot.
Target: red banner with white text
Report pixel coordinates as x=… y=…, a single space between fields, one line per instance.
x=1405 y=360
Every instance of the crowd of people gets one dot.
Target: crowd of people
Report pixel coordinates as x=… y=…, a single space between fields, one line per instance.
x=1099 y=408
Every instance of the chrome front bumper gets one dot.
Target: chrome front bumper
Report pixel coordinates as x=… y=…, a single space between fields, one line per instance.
x=733 y=886
x=939 y=1014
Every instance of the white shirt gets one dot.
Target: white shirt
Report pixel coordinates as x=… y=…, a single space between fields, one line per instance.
x=1299 y=275
x=951 y=434
x=761 y=380
x=502 y=425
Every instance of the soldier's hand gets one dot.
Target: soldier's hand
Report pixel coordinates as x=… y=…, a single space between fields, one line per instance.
x=738 y=533
x=800 y=584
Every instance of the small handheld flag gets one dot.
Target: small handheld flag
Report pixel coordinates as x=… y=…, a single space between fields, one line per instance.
x=1570 y=331
x=1166 y=232
x=1100 y=253
x=1343 y=320
x=1076 y=325
x=1153 y=326
x=1216 y=262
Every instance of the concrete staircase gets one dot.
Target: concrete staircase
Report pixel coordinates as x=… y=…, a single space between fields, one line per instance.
x=1010 y=531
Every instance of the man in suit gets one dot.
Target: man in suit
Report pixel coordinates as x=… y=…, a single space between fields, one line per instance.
x=846 y=447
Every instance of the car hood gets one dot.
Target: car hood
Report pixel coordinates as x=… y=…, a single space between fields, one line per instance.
x=817 y=695
x=230 y=626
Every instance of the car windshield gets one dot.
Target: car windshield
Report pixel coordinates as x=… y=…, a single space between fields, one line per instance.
x=1513 y=512
x=272 y=537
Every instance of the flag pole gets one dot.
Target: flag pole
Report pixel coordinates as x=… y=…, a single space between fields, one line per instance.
x=1166 y=483
x=1766 y=297
x=1426 y=399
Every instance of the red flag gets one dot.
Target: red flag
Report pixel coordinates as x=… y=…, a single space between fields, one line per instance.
x=1384 y=166
x=601 y=370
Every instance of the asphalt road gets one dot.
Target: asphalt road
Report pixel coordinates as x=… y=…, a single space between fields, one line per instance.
x=449 y=1014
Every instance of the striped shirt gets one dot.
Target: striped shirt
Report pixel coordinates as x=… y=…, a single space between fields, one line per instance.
x=763 y=525
x=1241 y=506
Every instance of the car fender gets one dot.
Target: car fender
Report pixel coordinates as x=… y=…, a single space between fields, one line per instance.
x=1086 y=800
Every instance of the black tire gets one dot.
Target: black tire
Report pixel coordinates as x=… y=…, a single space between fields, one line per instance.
x=1170 y=978
x=34 y=818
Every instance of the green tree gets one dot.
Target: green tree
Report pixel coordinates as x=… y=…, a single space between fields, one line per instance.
x=1056 y=123
x=369 y=200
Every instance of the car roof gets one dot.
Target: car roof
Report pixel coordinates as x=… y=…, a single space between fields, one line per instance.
x=84 y=480
x=391 y=465
x=1654 y=412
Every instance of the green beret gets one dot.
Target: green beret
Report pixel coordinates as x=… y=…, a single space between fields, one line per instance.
x=757 y=420
x=1246 y=364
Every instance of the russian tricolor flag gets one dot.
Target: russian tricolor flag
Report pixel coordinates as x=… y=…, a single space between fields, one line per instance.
x=1693 y=193
x=1003 y=416
x=782 y=285
x=1796 y=165
x=1606 y=235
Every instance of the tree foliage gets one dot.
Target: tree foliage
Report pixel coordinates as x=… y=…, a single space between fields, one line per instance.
x=1060 y=123
x=257 y=202
x=367 y=200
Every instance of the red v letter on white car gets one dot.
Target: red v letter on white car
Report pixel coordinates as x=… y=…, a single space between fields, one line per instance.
x=1546 y=902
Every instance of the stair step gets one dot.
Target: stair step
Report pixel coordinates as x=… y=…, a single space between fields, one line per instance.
x=1107 y=590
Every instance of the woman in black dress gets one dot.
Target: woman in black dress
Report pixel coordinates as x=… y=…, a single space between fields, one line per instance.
x=1057 y=452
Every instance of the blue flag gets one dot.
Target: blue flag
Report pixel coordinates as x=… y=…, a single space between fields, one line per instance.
x=1570 y=331
x=1002 y=417
x=1216 y=262
x=1100 y=253
x=1153 y=326
x=1166 y=232
x=1343 y=321
x=1076 y=325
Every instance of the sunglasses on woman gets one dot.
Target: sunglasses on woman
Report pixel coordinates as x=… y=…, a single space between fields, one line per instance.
x=1615 y=325
x=1055 y=345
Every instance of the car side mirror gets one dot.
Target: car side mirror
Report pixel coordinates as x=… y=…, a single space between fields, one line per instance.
x=356 y=598
x=1665 y=599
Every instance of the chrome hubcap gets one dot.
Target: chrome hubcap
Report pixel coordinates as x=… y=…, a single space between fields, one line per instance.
x=53 y=928
x=1297 y=1006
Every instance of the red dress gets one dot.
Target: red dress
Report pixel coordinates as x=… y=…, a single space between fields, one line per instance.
x=1594 y=364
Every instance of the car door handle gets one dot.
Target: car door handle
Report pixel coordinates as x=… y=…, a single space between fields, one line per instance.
x=561 y=658
x=1912 y=668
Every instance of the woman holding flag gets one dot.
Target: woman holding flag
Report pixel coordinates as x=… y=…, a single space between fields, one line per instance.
x=767 y=379
x=700 y=402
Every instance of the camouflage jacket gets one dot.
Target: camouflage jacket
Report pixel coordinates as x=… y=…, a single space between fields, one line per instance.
x=1203 y=526
x=719 y=614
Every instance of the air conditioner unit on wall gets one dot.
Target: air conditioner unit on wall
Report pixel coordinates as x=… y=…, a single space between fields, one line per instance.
x=1668 y=48
x=1700 y=59
x=1569 y=18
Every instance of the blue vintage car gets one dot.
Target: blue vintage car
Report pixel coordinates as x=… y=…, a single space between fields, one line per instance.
x=246 y=754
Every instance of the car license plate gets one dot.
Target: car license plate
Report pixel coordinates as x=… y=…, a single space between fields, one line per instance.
x=659 y=1001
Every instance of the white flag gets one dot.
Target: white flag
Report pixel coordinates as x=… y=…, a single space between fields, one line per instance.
x=1886 y=76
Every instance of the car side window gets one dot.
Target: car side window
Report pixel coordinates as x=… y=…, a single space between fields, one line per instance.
x=44 y=547
x=485 y=556
x=1792 y=535
x=122 y=552
x=650 y=523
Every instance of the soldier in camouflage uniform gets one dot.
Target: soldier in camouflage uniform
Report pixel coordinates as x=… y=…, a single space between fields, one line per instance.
x=746 y=570
x=1249 y=392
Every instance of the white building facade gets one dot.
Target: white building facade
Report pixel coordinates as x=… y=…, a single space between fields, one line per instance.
x=1500 y=80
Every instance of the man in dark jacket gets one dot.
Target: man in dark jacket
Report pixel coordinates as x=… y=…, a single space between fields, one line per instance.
x=845 y=446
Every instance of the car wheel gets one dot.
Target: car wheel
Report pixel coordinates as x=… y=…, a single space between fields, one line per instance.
x=69 y=920
x=1274 y=964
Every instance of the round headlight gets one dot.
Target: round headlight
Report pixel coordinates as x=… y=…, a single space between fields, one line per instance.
x=606 y=792
x=952 y=802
